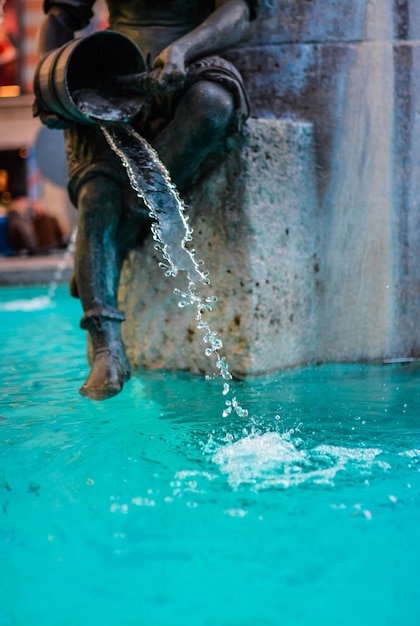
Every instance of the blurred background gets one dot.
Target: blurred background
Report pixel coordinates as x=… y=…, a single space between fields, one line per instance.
x=36 y=217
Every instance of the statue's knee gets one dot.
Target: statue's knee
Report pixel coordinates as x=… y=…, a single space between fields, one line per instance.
x=100 y=197
x=213 y=106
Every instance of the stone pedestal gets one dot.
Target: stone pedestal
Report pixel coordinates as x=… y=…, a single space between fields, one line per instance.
x=352 y=69
x=305 y=275
x=256 y=228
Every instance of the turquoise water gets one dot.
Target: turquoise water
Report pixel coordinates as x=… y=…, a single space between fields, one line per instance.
x=152 y=509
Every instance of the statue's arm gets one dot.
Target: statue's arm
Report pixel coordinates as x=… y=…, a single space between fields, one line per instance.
x=222 y=29
x=62 y=19
x=225 y=27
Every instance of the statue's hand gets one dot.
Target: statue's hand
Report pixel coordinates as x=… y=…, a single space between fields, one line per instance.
x=51 y=120
x=168 y=72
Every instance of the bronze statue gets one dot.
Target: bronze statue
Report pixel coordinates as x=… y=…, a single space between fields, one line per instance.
x=194 y=99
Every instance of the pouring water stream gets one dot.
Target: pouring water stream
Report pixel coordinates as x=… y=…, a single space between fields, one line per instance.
x=171 y=232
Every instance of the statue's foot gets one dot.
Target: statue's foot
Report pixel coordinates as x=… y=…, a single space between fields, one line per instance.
x=107 y=376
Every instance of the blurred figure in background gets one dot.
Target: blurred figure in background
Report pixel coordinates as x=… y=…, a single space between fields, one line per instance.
x=20 y=231
x=49 y=234
x=5 y=249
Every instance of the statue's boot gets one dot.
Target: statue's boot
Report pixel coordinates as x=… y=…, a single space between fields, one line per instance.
x=110 y=368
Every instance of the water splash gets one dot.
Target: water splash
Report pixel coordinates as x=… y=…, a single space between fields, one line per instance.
x=172 y=234
x=33 y=304
x=272 y=460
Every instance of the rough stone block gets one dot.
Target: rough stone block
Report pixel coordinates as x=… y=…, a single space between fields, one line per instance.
x=255 y=226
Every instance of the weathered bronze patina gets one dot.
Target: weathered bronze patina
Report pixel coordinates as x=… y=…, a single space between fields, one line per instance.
x=193 y=99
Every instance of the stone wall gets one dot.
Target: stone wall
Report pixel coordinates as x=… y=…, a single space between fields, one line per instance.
x=351 y=70
x=254 y=220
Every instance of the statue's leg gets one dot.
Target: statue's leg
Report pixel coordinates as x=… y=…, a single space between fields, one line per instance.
x=201 y=120
x=98 y=260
